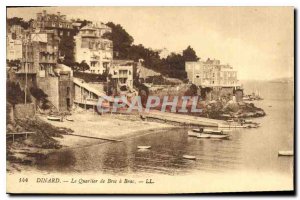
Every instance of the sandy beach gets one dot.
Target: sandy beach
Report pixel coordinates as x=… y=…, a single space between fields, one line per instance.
x=108 y=126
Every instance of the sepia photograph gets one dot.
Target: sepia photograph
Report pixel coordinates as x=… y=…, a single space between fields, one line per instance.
x=149 y=100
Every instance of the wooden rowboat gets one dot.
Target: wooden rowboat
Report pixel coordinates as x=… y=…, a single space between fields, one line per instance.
x=143 y=147
x=54 y=118
x=203 y=136
x=70 y=119
x=210 y=131
x=189 y=157
x=213 y=136
x=285 y=153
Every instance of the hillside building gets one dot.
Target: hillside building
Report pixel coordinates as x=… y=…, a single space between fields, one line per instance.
x=214 y=79
x=92 y=48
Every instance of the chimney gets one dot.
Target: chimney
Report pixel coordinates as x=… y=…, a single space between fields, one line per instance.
x=44 y=13
x=58 y=13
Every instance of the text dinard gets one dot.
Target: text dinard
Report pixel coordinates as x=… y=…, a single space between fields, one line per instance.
x=90 y=181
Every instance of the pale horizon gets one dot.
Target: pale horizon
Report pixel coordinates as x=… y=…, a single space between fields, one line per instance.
x=257 y=41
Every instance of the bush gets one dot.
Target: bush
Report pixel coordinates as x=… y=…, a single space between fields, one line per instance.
x=14 y=93
x=38 y=93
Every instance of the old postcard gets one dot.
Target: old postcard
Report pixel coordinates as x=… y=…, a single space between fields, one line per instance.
x=149 y=100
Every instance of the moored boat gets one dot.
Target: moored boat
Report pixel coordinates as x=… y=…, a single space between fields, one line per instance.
x=231 y=126
x=213 y=136
x=226 y=130
x=143 y=147
x=211 y=131
x=189 y=157
x=285 y=153
x=252 y=126
x=207 y=133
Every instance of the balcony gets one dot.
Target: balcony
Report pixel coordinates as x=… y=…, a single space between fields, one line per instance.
x=123 y=76
x=52 y=61
x=93 y=35
x=29 y=71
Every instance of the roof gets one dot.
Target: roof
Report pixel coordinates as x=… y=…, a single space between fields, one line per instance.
x=76 y=24
x=87 y=27
x=88 y=87
x=228 y=70
x=63 y=67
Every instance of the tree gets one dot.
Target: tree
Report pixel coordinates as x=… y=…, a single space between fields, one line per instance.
x=189 y=54
x=14 y=93
x=83 y=22
x=19 y=21
x=40 y=96
x=38 y=93
x=121 y=40
x=66 y=47
x=83 y=66
x=13 y=63
x=175 y=62
x=151 y=58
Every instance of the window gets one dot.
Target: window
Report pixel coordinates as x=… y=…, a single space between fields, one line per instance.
x=123 y=80
x=68 y=91
x=123 y=72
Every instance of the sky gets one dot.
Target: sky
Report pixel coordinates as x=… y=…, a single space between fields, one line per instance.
x=256 y=41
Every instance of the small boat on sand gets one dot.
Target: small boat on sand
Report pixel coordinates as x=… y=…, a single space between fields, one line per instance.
x=285 y=153
x=70 y=119
x=189 y=157
x=55 y=118
x=143 y=147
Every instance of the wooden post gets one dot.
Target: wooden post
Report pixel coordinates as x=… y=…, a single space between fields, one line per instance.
x=13 y=137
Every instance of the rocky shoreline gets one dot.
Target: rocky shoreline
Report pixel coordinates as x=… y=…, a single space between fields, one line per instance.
x=231 y=110
x=26 y=152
